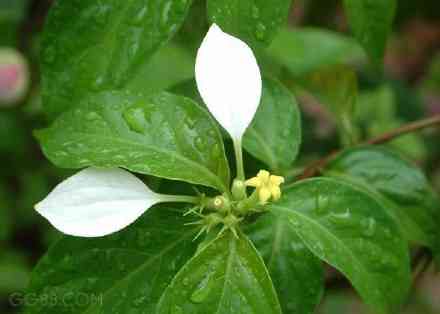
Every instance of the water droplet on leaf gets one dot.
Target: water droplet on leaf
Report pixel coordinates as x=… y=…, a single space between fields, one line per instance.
x=203 y=289
x=135 y=119
x=260 y=32
x=368 y=227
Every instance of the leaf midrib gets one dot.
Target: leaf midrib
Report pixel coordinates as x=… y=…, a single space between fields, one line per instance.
x=232 y=251
x=211 y=175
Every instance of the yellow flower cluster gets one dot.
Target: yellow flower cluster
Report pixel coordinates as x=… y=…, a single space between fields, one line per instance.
x=267 y=185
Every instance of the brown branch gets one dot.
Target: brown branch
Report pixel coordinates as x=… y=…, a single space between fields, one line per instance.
x=314 y=168
x=408 y=128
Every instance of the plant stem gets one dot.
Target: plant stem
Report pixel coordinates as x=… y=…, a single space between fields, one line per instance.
x=239 y=159
x=314 y=168
x=407 y=128
x=180 y=199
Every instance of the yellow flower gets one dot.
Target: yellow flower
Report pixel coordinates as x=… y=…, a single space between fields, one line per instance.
x=267 y=186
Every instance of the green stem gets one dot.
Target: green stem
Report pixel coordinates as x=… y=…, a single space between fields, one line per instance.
x=239 y=159
x=180 y=199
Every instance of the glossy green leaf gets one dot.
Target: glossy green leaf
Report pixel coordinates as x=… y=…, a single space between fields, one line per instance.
x=306 y=50
x=371 y=22
x=297 y=274
x=95 y=45
x=227 y=276
x=353 y=232
x=274 y=136
x=336 y=88
x=163 y=135
x=123 y=273
x=254 y=21
x=409 y=196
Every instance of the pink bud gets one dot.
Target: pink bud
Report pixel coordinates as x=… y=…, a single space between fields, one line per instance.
x=14 y=77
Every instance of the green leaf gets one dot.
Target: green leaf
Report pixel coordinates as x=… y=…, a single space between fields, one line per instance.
x=254 y=21
x=298 y=275
x=274 y=136
x=163 y=135
x=336 y=88
x=351 y=231
x=171 y=65
x=227 y=276
x=94 y=45
x=306 y=50
x=408 y=194
x=371 y=22
x=122 y=273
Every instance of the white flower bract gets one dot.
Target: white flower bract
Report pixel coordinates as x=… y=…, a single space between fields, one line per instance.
x=229 y=80
x=97 y=202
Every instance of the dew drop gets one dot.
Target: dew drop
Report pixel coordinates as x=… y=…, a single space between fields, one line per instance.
x=200 y=144
x=186 y=281
x=165 y=13
x=140 y=16
x=318 y=248
x=368 y=227
x=92 y=116
x=260 y=31
x=137 y=302
x=135 y=119
x=341 y=219
x=321 y=204
x=190 y=123
x=295 y=223
x=203 y=289
x=255 y=12
x=216 y=151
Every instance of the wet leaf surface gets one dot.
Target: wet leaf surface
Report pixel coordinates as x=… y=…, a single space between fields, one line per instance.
x=227 y=276
x=345 y=227
x=297 y=274
x=122 y=273
x=163 y=135
x=405 y=189
x=90 y=46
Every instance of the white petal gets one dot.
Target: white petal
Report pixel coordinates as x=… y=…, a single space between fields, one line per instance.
x=229 y=80
x=97 y=202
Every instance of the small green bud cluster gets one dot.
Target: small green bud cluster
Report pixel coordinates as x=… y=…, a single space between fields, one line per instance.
x=226 y=211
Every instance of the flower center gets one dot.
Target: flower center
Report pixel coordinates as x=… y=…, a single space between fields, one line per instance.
x=227 y=212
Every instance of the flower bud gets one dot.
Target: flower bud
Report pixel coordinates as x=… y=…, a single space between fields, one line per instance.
x=219 y=203
x=14 y=77
x=238 y=190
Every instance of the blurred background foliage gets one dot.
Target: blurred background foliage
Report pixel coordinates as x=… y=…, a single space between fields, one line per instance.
x=315 y=56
